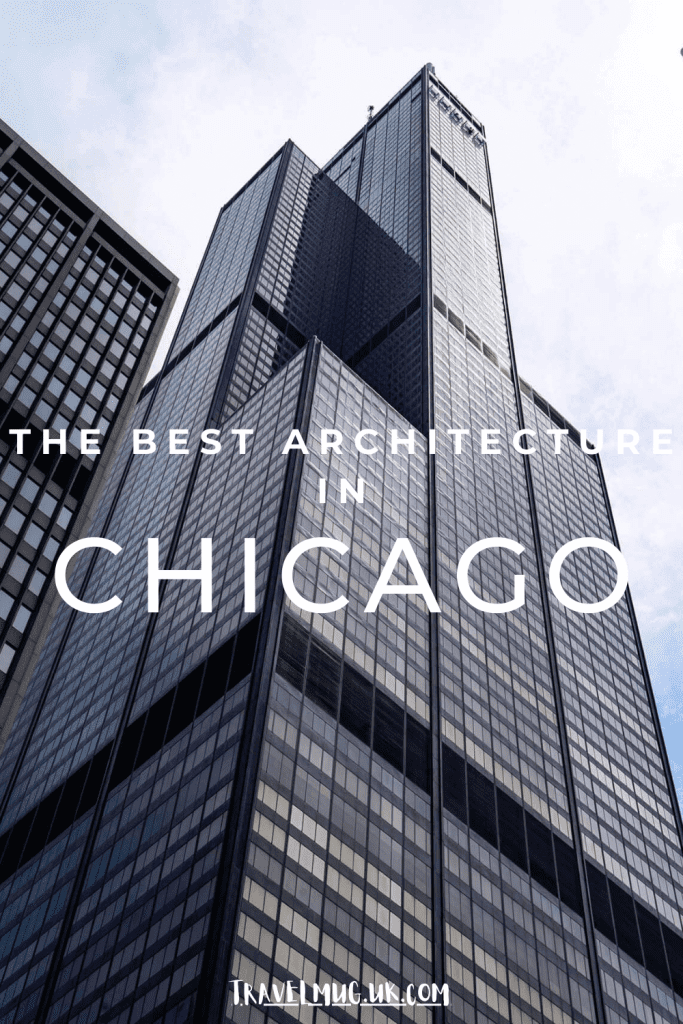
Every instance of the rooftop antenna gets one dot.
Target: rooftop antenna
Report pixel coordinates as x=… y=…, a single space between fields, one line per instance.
x=371 y=111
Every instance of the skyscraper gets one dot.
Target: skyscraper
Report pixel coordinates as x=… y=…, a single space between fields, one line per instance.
x=267 y=790
x=82 y=306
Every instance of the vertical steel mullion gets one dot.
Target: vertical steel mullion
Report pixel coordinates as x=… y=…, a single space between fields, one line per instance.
x=438 y=943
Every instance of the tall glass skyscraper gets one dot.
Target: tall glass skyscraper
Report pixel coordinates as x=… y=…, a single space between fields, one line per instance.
x=263 y=790
x=82 y=307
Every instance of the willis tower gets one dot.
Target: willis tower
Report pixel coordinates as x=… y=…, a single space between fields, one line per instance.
x=472 y=805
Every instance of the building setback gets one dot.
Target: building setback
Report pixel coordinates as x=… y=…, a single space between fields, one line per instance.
x=466 y=799
x=82 y=307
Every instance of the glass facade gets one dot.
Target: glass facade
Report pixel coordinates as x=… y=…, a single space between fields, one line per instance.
x=380 y=802
x=82 y=307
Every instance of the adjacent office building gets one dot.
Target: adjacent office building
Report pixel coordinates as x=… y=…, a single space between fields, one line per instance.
x=267 y=791
x=82 y=306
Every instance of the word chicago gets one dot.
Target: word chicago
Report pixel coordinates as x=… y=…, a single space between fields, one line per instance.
x=402 y=550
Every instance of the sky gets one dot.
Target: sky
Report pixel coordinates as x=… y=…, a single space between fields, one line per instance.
x=161 y=111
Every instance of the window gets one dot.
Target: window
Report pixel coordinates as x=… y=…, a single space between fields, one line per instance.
x=29 y=490
x=6 y=604
x=51 y=549
x=6 y=655
x=47 y=504
x=11 y=475
x=34 y=535
x=15 y=520
x=37 y=581
x=19 y=568
x=21 y=618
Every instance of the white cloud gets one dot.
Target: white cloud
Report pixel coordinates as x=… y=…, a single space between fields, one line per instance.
x=671 y=249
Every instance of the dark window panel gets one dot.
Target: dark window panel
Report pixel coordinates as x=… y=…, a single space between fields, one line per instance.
x=322 y=678
x=125 y=760
x=482 y=805
x=653 y=944
x=454 y=784
x=418 y=753
x=356 y=705
x=216 y=676
x=674 y=954
x=185 y=702
x=154 y=731
x=73 y=793
x=568 y=875
x=625 y=921
x=245 y=647
x=600 y=905
x=387 y=738
x=541 y=862
x=511 y=830
x=291 y=663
